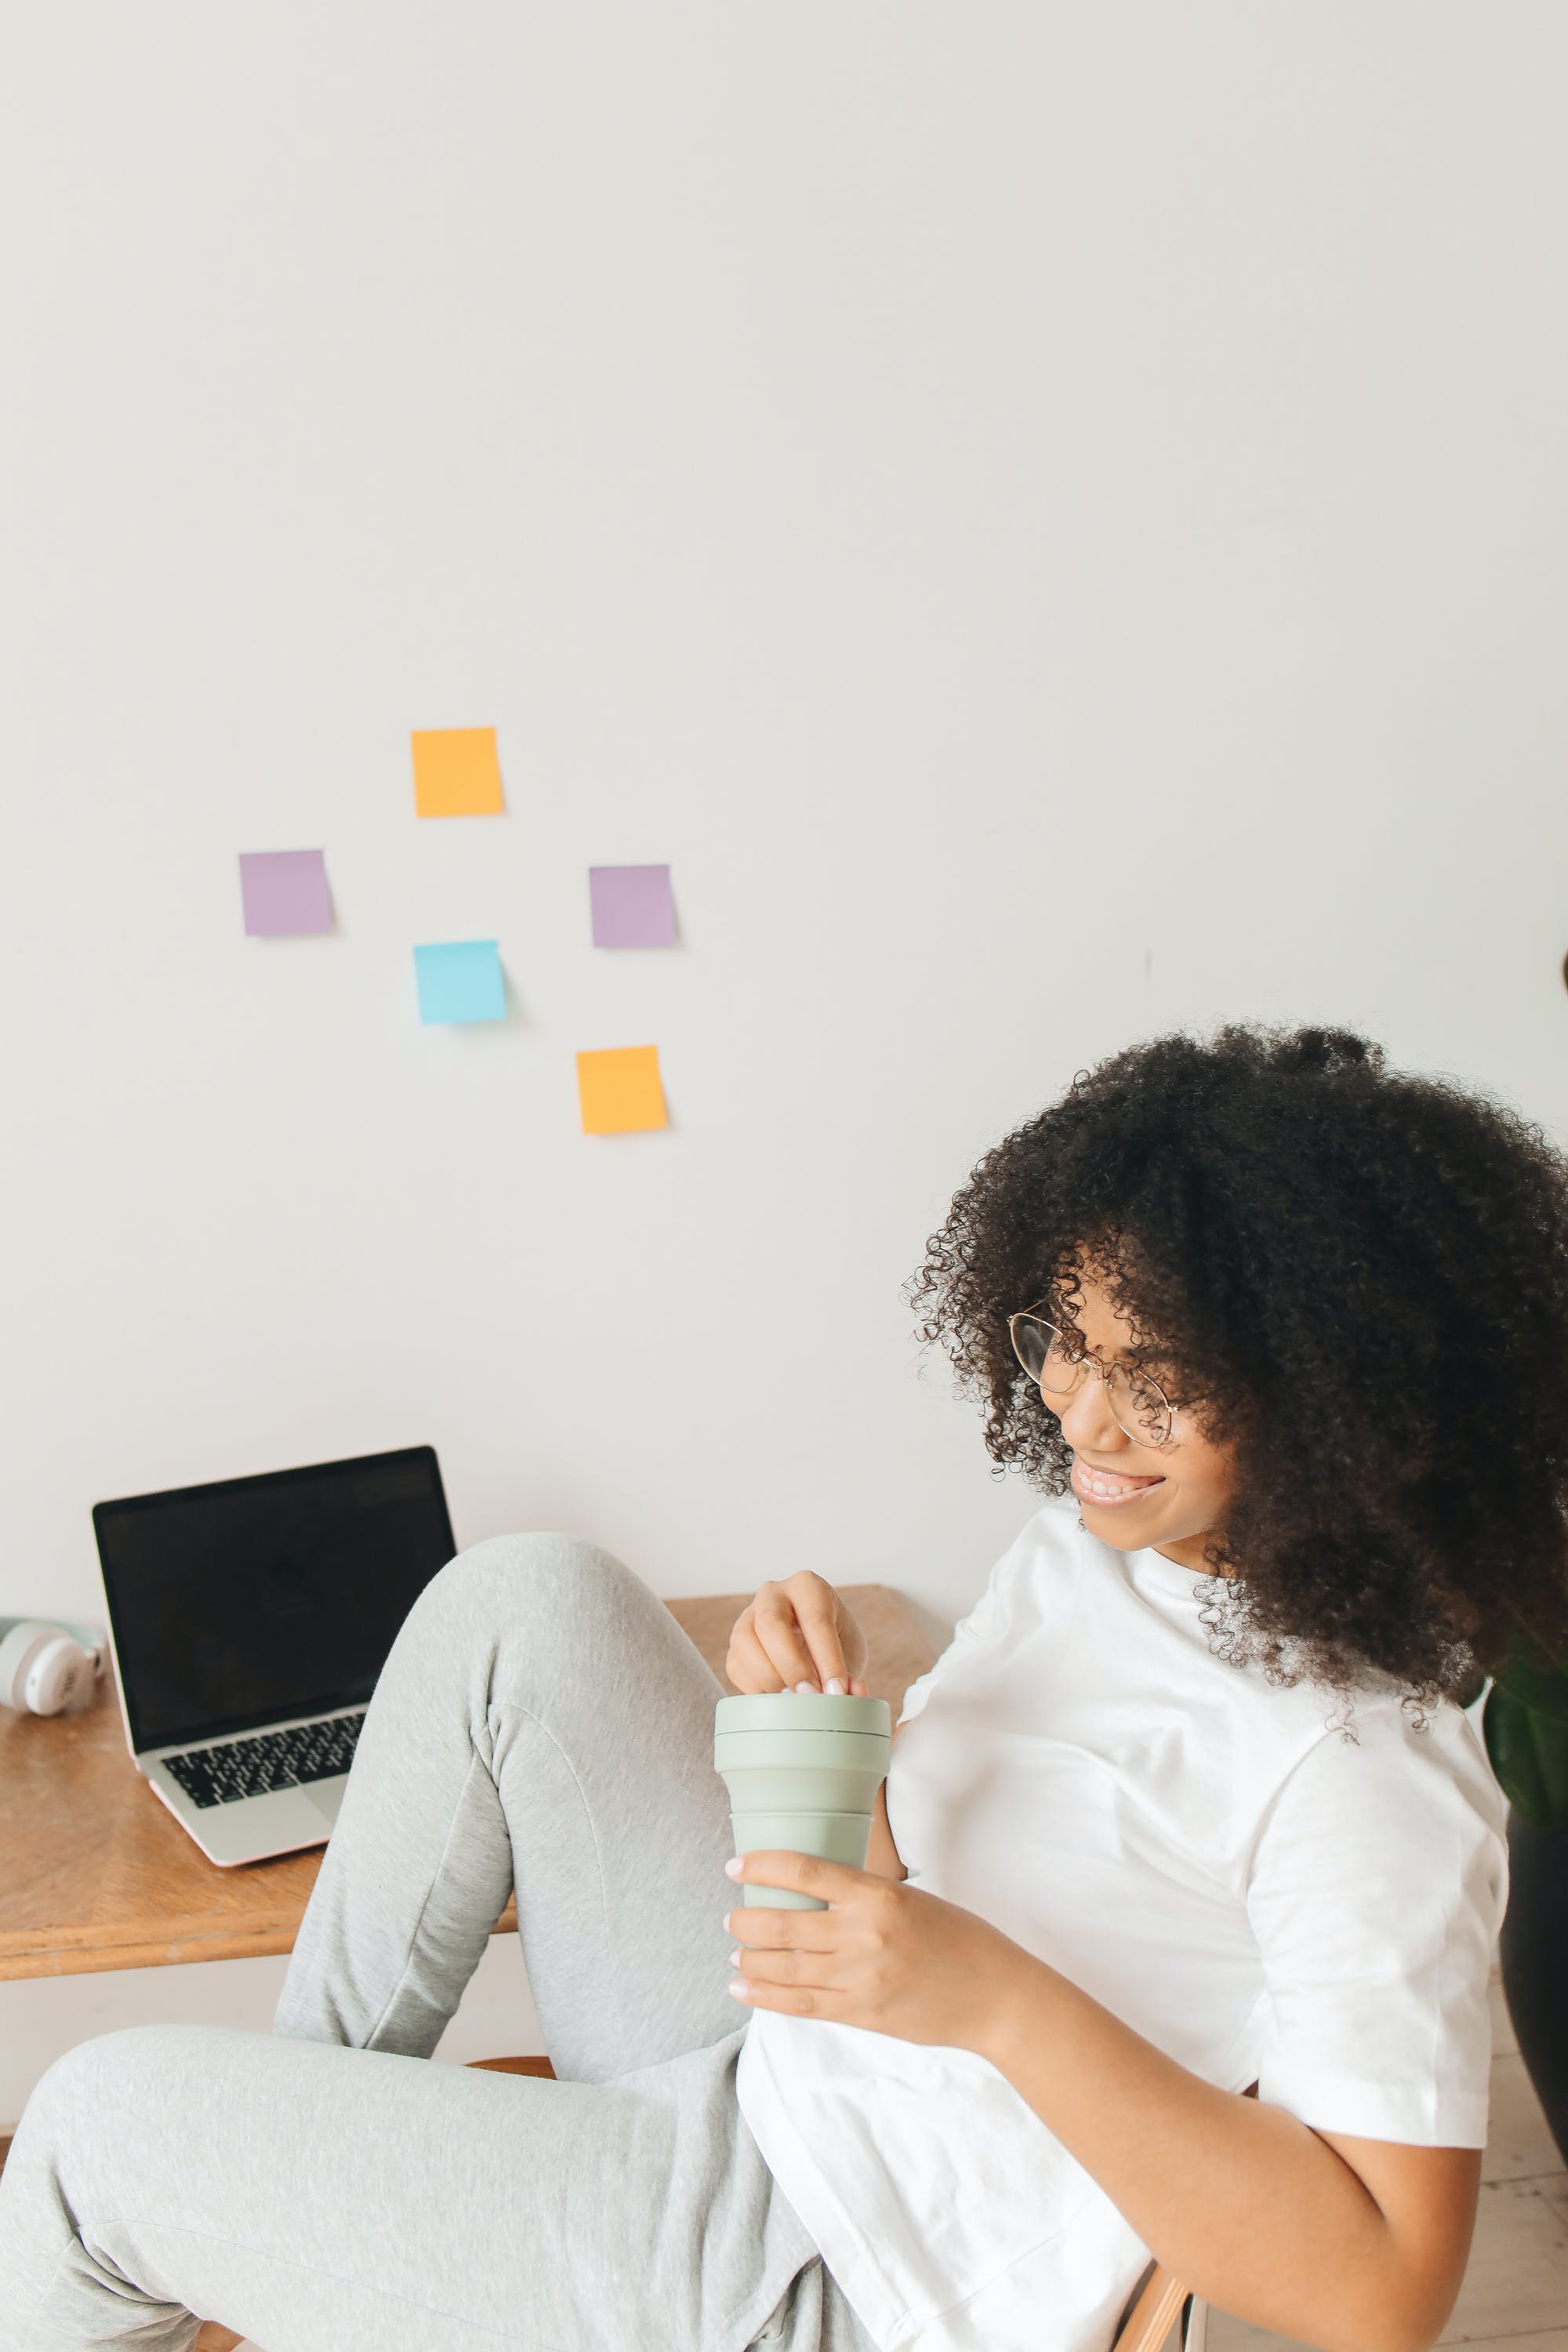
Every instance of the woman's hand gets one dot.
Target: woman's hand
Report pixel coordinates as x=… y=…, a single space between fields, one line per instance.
x=796 y=1635
x=799 y=1635
x=882 y=1956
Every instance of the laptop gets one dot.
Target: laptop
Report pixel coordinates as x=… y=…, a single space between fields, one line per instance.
x=248 y=1622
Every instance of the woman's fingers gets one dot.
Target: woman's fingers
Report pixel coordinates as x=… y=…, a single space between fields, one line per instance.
x=770 y=1927
x=798 y=1874
x=798 y=1633
x=748 y=1665
x=817 y=1608
x=807 y=1966
x=778 y=1630
x=793 y=1958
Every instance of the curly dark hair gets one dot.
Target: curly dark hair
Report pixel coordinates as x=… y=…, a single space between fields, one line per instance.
x=1356 y=1278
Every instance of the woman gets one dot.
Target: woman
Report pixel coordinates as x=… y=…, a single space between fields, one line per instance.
x=1187 y=1806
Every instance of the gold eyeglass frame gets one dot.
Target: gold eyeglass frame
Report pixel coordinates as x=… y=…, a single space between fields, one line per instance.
x=1086 y=1362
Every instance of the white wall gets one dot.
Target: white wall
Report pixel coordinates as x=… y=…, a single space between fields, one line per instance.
x=1052 y=520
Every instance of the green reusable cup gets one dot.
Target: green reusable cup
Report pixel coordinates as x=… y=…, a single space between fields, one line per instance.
x=803 y=1772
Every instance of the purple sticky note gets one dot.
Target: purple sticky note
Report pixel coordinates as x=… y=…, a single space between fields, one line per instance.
x=284 y=891
x=631 y=906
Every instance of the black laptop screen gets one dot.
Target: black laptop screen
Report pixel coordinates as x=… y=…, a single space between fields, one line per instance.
x=260 y=1599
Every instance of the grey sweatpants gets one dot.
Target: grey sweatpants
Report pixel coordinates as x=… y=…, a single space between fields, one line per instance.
x=541 y=1722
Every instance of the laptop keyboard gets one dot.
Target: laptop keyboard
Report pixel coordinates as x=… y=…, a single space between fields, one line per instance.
x=269 y=1759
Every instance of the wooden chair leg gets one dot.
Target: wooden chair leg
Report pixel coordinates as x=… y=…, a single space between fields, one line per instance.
x=1156 y=2311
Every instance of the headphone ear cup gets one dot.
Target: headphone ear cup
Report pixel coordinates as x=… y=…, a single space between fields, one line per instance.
x=43 y=1671
x=17 y=1648
x=58 y=1677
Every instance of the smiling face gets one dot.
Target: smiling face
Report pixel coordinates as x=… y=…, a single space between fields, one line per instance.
x=1172 y=1497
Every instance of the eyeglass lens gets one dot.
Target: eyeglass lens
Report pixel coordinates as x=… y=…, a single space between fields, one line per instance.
x=1139 y=1409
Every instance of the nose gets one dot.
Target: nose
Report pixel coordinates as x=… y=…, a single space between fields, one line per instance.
x=1087 y=1424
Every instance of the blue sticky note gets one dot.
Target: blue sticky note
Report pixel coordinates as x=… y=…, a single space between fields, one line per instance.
x=460 y=981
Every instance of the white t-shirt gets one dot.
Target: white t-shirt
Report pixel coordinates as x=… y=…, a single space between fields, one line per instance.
x=1202 y=1851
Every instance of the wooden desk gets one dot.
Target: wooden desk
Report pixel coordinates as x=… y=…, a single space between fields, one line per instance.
x=96 y=1872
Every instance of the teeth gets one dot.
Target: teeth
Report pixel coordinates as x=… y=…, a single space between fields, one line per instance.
x=1108 y=1489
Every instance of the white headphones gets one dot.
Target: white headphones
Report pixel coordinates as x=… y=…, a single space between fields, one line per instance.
x=47 y=1669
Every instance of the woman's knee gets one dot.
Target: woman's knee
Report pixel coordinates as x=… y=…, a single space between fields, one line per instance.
x=83 y=2073
x=540 y=1580
x=112 y=2074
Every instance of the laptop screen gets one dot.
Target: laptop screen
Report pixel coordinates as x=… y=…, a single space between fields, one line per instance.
x=259 y=1599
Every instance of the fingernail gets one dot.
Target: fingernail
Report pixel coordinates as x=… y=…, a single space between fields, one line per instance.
x=836 y=1687
x=735 y=1957
x=740 y=1989
x=810 y=1687
x=734 y=1867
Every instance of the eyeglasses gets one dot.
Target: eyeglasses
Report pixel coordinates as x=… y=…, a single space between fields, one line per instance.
x=1138 y=1405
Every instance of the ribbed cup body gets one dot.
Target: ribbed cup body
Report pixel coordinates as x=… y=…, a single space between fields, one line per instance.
x=803 y=1771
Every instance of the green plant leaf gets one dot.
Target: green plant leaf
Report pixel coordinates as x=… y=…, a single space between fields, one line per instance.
x=1542 y=1688
x=1529 y=1751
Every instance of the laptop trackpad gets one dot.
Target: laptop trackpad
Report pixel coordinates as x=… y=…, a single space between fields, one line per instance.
x=326 y=1796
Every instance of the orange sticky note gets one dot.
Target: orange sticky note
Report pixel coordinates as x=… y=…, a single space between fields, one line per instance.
x=456 y=772
x=619 y=1090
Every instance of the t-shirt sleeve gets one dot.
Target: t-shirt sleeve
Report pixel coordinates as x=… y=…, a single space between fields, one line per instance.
x=983 y=1623
x=1377 y=1892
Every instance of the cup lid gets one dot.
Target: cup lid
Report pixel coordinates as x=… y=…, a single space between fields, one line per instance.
x=802 y=1711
